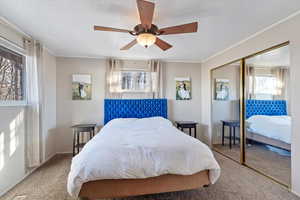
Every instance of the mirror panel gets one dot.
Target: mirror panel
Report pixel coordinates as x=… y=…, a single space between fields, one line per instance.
x=268 y=120
x=225 y=109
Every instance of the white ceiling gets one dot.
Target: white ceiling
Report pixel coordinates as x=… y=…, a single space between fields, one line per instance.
x=65 y=26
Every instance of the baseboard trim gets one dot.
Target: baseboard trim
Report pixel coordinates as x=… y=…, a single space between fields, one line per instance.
x=66 y=152
x=295 y=193
x=28 y=174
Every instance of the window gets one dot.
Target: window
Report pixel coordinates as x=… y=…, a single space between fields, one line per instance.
x=12 y=73
x=265 y=87
x=135 y=81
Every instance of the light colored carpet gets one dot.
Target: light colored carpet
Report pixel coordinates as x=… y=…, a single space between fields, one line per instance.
x=261 y=158
x=236 y=183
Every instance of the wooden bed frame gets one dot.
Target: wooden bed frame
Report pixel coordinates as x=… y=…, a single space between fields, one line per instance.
x=268 y=141
x=113 y=188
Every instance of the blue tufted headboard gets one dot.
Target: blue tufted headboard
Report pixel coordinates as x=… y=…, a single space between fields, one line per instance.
x=134 y=108
x=265 y=107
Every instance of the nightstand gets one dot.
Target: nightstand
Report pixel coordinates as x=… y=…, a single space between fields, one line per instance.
x=78 y=133
x=187 y=124
x=232 y=124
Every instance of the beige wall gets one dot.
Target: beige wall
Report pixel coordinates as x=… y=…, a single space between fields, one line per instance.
x=183 y=110
x=49 y=105
x=72 y=112
x=286 y=31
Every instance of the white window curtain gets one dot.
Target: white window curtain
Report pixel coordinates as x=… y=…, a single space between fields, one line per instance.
x=250 y=82
x=126 y=83
x=113 y=79
x=34 y=52
x=282 y=82
x=157 y=70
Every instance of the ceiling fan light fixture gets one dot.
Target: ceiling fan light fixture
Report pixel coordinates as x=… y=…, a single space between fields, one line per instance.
x=146 y=33
x=146 y=39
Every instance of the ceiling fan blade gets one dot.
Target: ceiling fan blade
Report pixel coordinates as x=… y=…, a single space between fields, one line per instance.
x=146 y=11
x=128 y=46
x=185 y=28
x=103 y=28
x=162 y=44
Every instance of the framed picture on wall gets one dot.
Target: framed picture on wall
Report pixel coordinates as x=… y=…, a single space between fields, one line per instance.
x=81 y=87
x=222 y=89
x=183 y=88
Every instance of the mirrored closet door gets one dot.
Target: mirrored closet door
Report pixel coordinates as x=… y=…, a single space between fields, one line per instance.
x=267 y=113
x=225 y=109
x=251 y=112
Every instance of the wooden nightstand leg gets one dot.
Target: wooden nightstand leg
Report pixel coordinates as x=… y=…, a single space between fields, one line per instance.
x=234 y=135
x=195 y=132
x=190 y=131
x=230 y=132
x=223 y=134
x=74 y=142
x=78 y=141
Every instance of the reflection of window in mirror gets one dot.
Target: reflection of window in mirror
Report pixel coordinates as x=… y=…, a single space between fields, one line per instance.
x=268 y=75
x=268 y=83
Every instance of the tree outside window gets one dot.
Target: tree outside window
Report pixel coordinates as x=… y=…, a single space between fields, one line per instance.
x=12 y=75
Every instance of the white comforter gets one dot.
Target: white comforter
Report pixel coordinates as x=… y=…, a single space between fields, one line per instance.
x=276 y=127
x=140 y=148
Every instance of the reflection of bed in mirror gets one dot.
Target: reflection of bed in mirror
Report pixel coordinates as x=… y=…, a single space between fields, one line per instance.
x=268 y=123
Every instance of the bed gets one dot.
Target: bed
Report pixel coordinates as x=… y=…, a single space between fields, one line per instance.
x=268 y=123
x=138 y=152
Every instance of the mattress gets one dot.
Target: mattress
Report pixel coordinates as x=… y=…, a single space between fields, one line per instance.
x=137 y=149
x=275 y=127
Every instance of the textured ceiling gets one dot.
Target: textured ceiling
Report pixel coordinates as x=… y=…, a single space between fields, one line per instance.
x=65 y=26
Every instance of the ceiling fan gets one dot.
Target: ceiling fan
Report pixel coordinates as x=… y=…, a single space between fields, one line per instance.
x=147 y=32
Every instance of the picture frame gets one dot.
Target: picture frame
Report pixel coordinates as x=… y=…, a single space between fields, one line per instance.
x=221 y=89
x=81 y=87
x=183 y=88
